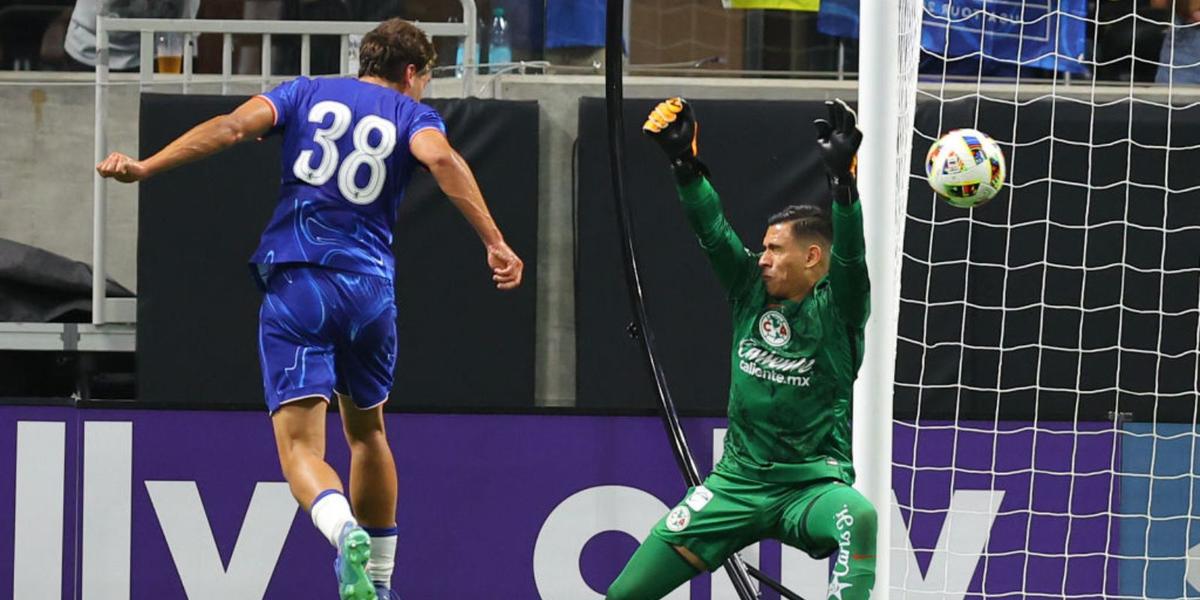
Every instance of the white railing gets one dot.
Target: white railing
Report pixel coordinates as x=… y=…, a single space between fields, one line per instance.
x=191 y=28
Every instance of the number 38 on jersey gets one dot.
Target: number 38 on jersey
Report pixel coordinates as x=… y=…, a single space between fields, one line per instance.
x=370 y=152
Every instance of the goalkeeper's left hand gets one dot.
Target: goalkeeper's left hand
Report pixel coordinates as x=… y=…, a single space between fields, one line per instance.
x=838 y=140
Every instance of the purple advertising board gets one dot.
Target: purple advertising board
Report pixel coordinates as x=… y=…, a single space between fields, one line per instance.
x=190 y=504
x=1048 y=494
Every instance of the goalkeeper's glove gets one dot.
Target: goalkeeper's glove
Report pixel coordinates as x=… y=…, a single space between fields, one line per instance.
x=838 y=140
x=673 y=126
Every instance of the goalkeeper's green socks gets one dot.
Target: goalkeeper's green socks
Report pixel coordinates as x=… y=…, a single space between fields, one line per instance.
x=651 y=573
x=845 y=519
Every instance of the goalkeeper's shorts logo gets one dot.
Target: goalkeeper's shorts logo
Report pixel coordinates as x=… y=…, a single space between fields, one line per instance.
x=679 y=518
x=774 y=329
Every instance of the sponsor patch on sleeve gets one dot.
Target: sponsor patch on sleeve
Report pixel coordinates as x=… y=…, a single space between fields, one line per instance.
x=699 y=498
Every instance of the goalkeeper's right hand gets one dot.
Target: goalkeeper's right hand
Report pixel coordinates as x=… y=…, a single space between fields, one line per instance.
x=673 y=127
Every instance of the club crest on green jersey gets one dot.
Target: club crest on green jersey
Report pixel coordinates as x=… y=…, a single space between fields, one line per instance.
x=774 y=329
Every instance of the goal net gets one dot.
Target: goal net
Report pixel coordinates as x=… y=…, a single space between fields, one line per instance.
x=1047 y=366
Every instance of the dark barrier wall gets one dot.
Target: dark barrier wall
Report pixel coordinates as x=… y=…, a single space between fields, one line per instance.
x=762 y=157
x=462 y=342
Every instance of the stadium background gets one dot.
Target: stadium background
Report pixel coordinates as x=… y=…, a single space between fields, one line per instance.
x=516 y=408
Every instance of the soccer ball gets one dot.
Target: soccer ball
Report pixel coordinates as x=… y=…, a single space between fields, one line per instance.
x=965 y=167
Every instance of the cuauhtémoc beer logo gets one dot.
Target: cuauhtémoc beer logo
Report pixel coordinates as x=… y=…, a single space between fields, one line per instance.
x=760 y=362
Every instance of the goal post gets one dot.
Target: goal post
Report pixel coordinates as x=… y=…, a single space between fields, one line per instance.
x=889 y=31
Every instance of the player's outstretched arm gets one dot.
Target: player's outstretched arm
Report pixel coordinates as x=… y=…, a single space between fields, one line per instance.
x=249 y=121
x=673 y=126
x=454 y=176
x=838 y=140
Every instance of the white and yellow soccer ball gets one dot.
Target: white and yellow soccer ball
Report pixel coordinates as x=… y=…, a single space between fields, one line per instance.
x=965 y=167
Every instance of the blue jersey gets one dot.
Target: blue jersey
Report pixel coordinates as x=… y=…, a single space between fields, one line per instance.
x=346 y=161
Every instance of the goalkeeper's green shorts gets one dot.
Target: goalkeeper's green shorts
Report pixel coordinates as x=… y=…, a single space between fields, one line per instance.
x=729 y=512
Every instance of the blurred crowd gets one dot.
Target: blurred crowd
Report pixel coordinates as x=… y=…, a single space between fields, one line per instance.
x=60 y=35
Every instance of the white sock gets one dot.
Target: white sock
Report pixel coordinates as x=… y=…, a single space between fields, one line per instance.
x=383 y=555
x=330 y=513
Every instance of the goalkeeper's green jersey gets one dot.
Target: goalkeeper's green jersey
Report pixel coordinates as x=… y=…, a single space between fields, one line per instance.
x=793 y=363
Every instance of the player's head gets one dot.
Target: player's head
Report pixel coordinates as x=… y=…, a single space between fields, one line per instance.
x=400 y=53
x=795 y=251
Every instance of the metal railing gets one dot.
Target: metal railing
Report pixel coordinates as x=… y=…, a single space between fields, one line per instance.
x=191 y=28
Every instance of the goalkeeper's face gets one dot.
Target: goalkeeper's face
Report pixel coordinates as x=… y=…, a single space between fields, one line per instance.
x=791 y=264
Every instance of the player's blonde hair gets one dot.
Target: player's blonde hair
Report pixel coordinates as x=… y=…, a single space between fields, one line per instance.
x=393 y=45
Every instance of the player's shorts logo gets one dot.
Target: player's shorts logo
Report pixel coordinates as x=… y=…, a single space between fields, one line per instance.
x=679 y=518
x=774 y=329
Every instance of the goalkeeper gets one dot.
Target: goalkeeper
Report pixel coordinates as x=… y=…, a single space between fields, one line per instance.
x=799 y=310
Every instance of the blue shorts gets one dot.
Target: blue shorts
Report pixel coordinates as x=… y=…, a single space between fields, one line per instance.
x=322 y=331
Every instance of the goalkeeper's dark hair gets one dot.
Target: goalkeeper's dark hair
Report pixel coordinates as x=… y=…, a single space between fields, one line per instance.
x=807 y=220
x=387 y=50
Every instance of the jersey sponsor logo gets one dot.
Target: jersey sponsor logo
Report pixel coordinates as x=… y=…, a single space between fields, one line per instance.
x=774 y=329
x=761 y=357
x=843 y=520
x=699 y=498
x=678 y=519
x=762 y=363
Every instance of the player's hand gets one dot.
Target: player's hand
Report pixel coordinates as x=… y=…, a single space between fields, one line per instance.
x=507 y=267
x=123 y=168
x=838 y=140
x=673 y=127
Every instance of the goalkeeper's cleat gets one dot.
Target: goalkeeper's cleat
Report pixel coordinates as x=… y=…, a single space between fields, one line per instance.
x=383 y=593
x=354 y=548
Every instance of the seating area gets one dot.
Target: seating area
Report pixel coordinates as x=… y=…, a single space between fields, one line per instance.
x=32 y=35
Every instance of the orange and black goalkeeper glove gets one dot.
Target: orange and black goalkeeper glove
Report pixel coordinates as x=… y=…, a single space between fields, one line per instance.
x=673 y=127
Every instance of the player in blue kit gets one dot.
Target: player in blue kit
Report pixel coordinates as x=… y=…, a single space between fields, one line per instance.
x=328 y=319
